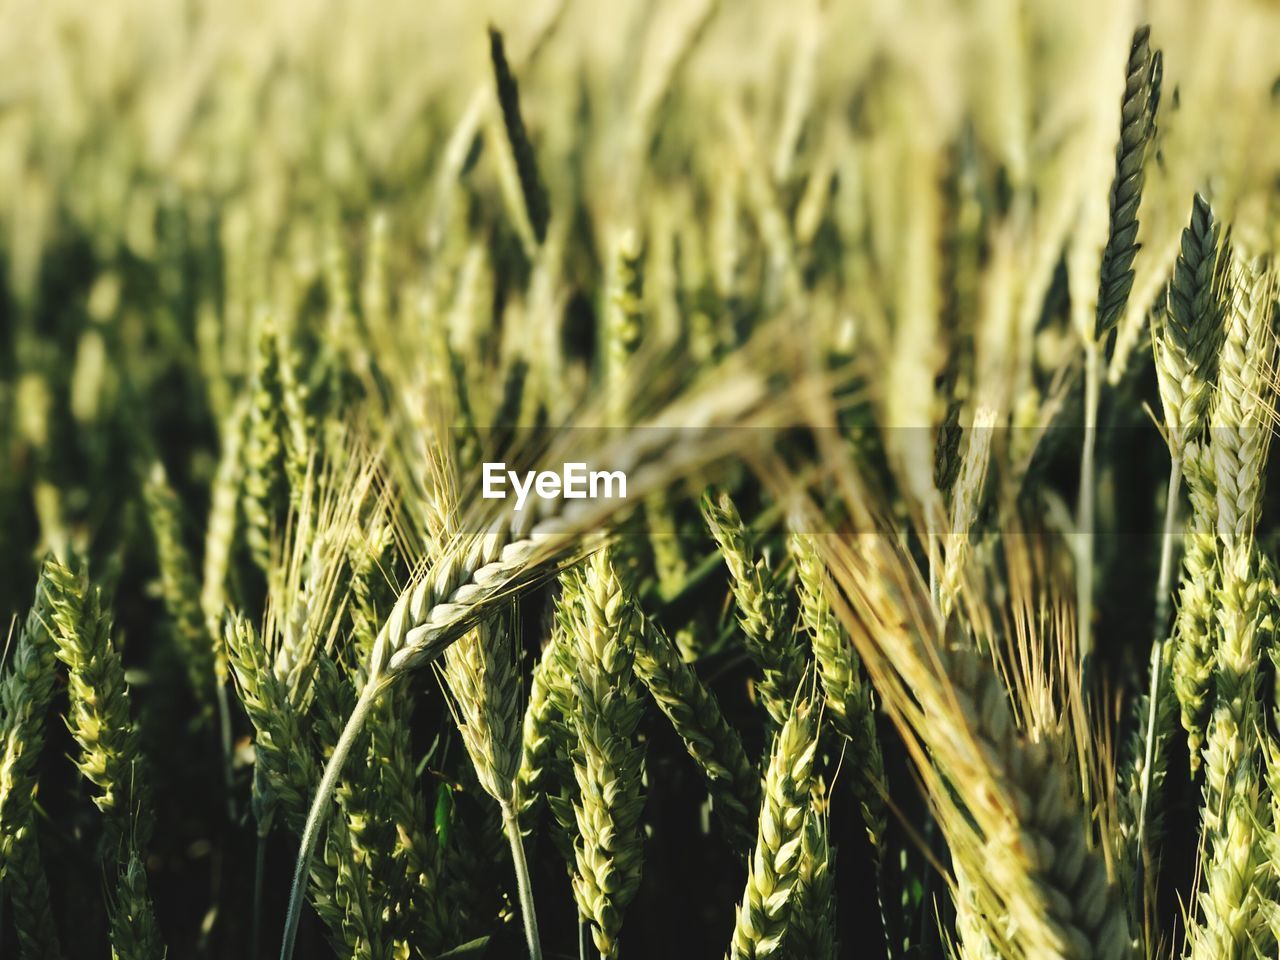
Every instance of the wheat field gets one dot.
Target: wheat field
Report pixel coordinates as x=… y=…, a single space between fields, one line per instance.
x=937 y=614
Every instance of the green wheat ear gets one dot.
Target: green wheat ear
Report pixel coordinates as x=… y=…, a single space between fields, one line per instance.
x=531 y=185
x=26 y=693
x=1189 y=333
x=1137 y=123
x=178 y=585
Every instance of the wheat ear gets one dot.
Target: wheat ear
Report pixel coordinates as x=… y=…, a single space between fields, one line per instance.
x=1011 y=816
x=1185 y=340
x=812 y=930
x=537 y=744
x=110 y=756
x=608 y=764
x=774 y=869
x=848 y=698
x=762 y=610
x=26 y=693
x=178 y=585
x=695 y=715
x=134 y=932
x=1115 y=282
x=1233 y=807
x=480 y=670
x=265 y=486
x=1137 y=123
x=531 y=186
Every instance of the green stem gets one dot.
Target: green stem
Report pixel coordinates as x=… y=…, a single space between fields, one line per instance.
x=259 y=884
x=1163 y=586
x=228 y=754
x=511 y=825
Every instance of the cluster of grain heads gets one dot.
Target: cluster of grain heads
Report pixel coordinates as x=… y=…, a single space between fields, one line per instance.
x=475 y=573
x=26 y=694
x=1186 y=336
x=1218 y=653
x=330 y=273
x=1233 y=806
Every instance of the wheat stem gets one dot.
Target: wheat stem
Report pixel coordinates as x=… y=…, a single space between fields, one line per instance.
x=1163 y=583
x=524 y=887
